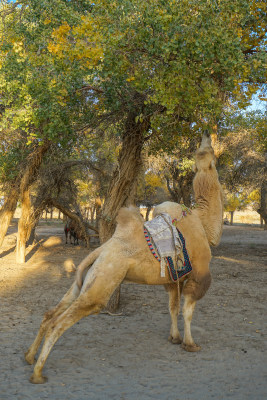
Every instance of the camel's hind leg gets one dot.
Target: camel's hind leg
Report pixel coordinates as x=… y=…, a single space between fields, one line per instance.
x=56 y=328
x=174 y=308
x=188 y=309
x=66 y=301
x=100 y=283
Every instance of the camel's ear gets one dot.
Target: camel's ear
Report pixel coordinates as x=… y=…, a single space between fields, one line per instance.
x=194 y=168
x=212 y=164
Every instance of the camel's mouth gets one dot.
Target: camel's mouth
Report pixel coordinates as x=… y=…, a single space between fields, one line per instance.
x=206 y=140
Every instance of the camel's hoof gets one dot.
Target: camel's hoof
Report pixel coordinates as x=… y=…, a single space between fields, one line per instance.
x=38 y=379
x=191 y=347
x=174 y=340
x=30 y=360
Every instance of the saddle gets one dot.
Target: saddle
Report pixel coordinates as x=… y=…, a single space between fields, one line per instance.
x=167 y=245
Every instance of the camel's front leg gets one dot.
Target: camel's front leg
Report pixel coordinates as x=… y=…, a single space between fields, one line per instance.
x=69 y=297
x=174 y=308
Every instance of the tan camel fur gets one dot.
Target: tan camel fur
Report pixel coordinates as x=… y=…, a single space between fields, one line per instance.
x=126 y=257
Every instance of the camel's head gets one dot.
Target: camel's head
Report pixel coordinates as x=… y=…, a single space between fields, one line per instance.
x=204 y=157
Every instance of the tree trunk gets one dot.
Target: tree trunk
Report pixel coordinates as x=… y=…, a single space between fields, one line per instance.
x=232 y=217
x=31 y=239
x=263 y=204
x=181 y=190
x=122 y=187
x=7 y=211
x=148 y=209
x=39 y=205
x=24 y=227
x=26 y=221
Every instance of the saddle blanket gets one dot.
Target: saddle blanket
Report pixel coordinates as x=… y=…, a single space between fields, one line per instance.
x=167 y=244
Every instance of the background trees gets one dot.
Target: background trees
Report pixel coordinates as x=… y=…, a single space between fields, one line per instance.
x=242 y=157
x=106 y=81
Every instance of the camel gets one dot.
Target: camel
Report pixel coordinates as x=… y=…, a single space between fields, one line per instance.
x=71 y=229
x=126 y=257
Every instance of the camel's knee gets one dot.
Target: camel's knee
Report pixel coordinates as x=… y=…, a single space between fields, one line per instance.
x=47 y=316
x=197 y=287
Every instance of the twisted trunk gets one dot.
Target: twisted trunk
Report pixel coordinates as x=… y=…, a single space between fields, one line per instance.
x=263 y=204
x=8 y=210
x=27 y=220
x=181 y=188
x=24 y=227
x=122 y=187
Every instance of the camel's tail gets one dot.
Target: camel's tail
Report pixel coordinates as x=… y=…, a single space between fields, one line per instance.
x=87 y=262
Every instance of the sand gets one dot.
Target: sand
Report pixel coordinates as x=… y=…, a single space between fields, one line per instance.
x=128 y=357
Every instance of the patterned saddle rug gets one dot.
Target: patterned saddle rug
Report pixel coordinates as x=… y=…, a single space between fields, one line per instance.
x=167 y=245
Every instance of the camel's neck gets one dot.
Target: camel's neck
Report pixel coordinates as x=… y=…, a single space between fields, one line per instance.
x=208 y=196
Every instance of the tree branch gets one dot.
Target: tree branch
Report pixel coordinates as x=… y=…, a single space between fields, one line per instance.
x=66 y=211
x=12 y=8
x=89 y=87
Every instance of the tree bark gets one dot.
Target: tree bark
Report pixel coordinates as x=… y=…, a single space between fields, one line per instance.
x=26 y=221
x=148 y=210
x=182 y=187
x=231 y=217
x=24 y=227
x=263 y=204
x=122 y=187
x=8 y=210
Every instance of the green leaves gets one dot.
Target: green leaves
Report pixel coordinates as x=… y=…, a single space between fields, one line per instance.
x=176 y=63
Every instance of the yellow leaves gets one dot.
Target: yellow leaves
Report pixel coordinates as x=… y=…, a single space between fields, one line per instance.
x=153 y=180
x=17 y=47
x=132 y=78
x=62 y=31
x=254 y=196
x=47 y=21
x=60 y=36
x=233 y=202
x=53 y=48
x=82 y=43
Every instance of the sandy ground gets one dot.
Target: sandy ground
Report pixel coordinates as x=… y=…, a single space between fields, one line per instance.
x=128 y=356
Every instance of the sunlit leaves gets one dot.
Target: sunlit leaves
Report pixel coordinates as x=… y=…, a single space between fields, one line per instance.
x=81 y=43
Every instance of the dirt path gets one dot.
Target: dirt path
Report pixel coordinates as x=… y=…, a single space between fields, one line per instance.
x=128 y=356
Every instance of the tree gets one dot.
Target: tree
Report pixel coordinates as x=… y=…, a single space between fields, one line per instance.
x=234 y=202
x=148 y=72
x=171 y=67
x=39 y=102
x=151 y=189
x=241 y=155
x=263 y=203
